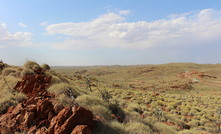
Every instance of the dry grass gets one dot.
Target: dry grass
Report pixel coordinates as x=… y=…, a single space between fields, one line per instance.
x=8 y=96
x=149 y=98
x=31 y=65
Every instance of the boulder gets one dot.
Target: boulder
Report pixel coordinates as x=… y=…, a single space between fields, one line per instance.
x=81 y=129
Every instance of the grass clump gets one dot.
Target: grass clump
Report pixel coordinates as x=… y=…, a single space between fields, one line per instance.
x=9 y=99
x=8 y=96
x=138 y=128
x=63 y=88
x=5 y=103
x=45 y=67
x=8 y=71
x=89 y=101
x=113 y=127
x=101 y=111
x=135 y=107
x=31 y=65
x=165 y=128
x=26 y=72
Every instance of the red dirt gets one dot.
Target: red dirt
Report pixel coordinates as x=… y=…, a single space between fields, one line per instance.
x=197 y=77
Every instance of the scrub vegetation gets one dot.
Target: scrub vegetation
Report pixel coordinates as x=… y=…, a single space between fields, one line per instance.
x=176 y=98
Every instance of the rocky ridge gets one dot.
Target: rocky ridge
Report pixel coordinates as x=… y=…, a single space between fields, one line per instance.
x=40 y=114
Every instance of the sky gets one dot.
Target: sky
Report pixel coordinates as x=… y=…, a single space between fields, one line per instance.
x=110 y=32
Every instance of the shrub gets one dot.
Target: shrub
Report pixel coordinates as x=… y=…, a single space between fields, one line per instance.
x=193 y=123
x=192 y=132
x=31 y=65
x=64 y=88
x=16 y=74
x=118 y=127
x=135 y=107
x=8 y=99
x=26 y=72
x=8 y=71
x=115 y=109
x=19 y=97
x=132 y=116
x=138 y=128
x=165 y=128
x=55 y=79
x=101 y=111
x=45 y=67
x=88 y=101
x=8 y=82
x=5 y=103
x=105 y=95
x=65 y=101
x=108 y=128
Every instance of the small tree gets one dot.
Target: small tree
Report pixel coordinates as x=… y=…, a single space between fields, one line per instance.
x=105 y=95
x=88 y=82
x=159 y=114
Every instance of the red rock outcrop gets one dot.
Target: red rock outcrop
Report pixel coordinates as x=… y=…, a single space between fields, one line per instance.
x=81 y=129
x=40 y=115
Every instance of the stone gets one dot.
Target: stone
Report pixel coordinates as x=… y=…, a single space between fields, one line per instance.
x=40 y=114
x=81 y=129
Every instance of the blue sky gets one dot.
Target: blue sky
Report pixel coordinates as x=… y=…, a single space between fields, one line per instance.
x=110 y=32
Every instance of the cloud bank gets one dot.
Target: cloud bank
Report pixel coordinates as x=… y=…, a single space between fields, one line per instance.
x=112 y=30
x=16 y=39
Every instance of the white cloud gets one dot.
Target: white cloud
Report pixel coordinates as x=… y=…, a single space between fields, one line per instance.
x=16 y=39
x=124 y=12
x=22 y=24
x=112 y=30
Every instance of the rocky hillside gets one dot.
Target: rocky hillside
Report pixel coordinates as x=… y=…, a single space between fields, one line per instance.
x=40 y=113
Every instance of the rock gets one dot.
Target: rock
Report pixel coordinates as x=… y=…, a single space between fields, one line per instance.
x=28 y=118
x=32 y=130
x=42 y=130
x=79 y=116
x=67 y=119
x=40 y=114
x=58 y=120
x=10 y=109
x=81 y=129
